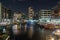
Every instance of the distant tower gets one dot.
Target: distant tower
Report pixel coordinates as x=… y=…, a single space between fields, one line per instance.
x=30 y=13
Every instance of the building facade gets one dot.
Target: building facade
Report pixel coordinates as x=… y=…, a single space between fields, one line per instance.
x=56 y=11
x=8 y=14
x=30 y=13
x=36 y=16
x=17 y=16
x=0 y=10
x=45 y=15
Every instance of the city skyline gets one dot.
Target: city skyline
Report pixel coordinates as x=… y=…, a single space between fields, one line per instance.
x=22 y=5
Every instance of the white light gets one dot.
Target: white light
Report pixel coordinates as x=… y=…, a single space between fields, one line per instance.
x=52 y=38
x=58 y=30
x=48 y=21
x=32 y=21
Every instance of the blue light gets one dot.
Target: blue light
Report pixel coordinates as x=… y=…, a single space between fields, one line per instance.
x=32 y=20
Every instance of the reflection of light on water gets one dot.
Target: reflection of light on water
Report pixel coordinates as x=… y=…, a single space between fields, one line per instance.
x=51 y=38
x=56 y=32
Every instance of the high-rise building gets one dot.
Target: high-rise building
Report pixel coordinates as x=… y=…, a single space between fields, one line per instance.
x=0 y=11
x=9 y=14
x=24 y=16
x=17 y=16
x=36 y=16
x=44 y=13
x=30 y=13
x=56 y=11
x=4 y=14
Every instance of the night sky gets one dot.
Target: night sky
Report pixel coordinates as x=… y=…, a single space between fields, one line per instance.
x=22 y=5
